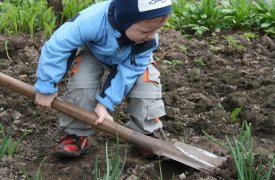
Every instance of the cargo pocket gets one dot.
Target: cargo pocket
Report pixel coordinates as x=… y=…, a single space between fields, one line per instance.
x=155 y=110
x=152 y=74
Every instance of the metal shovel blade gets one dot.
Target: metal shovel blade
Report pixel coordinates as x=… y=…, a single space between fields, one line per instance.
x=203 y=160
x=181 y=152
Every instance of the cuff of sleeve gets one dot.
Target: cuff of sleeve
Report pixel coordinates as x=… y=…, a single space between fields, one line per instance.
x=44 y=87
x=105 y=102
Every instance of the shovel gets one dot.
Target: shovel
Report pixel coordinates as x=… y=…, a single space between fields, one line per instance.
x=178 y=151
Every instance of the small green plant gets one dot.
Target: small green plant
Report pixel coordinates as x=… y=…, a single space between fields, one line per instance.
x=38 y=173
x=183 y=49
x=234 y=43
x=174 y=62
x=234 y=115
x=8 y=144
x=114 y=167
x=241 y=150
x=199 y=30
x=250 y=35
x=199 y=62
x=214 y=48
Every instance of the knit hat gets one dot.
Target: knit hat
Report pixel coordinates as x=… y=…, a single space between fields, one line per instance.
x=128 y=12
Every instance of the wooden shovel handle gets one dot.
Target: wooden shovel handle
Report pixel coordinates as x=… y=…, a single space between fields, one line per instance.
x=67 y=108
x=157 y=146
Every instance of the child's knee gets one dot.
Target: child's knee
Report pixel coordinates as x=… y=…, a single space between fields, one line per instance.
x=146 y=109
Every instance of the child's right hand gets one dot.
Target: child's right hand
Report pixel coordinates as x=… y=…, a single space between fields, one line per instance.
x=44 y=100
x=102 y=114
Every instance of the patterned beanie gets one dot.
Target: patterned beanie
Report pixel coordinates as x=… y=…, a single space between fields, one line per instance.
x=128 y=12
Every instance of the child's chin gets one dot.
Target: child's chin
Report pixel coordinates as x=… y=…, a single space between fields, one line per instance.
x=139 y=42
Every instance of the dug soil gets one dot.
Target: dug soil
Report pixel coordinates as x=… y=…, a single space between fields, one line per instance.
x=204 y=80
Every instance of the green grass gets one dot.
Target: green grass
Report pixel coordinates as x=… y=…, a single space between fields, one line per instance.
x=38 y=173
x=8 y=144
x=114 y=164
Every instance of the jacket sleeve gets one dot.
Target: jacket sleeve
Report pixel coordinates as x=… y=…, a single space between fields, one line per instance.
x=121 y=79
x=56 y=51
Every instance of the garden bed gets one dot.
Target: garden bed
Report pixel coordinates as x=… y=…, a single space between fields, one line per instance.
x=204 y=80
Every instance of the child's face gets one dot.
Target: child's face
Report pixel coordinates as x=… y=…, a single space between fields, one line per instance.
x=144 y=30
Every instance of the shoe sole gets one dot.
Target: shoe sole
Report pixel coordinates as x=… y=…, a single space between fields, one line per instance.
x=69 y=154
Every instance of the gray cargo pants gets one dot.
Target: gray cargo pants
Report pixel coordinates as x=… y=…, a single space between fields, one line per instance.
x=144 y=103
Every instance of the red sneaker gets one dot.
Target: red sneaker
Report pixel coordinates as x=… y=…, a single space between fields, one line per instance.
x=73 y=146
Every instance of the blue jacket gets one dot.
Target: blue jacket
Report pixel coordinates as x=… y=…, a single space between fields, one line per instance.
x=95 y=28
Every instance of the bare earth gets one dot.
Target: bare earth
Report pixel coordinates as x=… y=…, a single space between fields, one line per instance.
x=200 y=93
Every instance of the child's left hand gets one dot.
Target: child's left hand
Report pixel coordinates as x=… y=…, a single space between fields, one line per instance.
x=102 y=114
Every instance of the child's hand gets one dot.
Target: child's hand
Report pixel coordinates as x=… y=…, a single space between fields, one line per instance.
x=102 y=114
x=44 y=100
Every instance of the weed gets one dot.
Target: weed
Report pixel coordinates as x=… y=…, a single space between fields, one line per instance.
x=174 y=62
x=199 y=62
x=183 y=49
x=38 y=173
x=199 y=30
x=234 y=115
x=250 y=35
x=214 y=48
x=234 y=43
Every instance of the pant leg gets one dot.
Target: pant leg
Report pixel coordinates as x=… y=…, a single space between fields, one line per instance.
x=145 y=104
x=81 y=89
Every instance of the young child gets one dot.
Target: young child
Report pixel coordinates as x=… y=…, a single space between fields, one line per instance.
x=119 y=36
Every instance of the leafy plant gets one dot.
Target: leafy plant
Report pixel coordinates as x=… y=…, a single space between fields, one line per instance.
x=199 y=30
x=195 y=16
x=265 y=15
x=237 y=13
